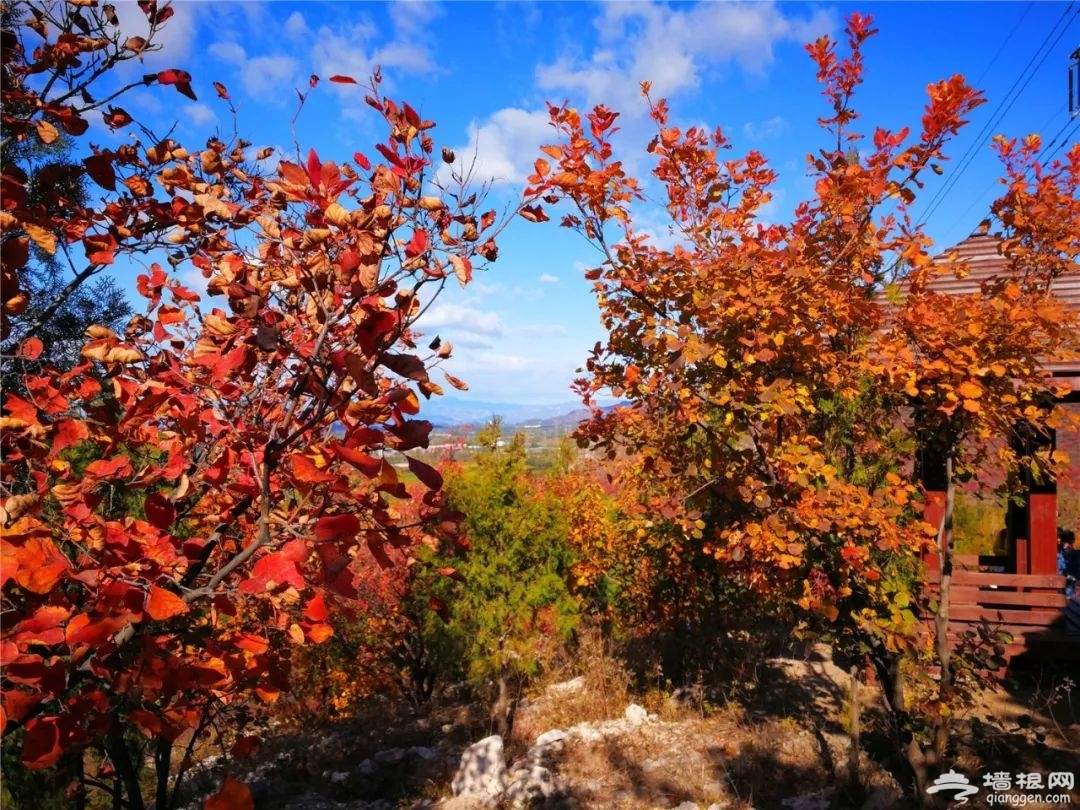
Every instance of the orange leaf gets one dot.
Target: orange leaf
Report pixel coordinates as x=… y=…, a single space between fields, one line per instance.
x=162 y=604
x=31 y=349
x=233 y=795
x=462 y=269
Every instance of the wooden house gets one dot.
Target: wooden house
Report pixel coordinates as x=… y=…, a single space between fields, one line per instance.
x=1021 y=591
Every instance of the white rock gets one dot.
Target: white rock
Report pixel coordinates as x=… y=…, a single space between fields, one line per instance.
x=635 y=715
x=686 y=806
x=424 y=753
x=528 y=785
x=549 y=737
x=566 y=687
x=338 y=777
x=482 y=772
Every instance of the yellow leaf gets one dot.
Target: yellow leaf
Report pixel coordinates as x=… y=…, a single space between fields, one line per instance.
x=46 y=240
x=46 y=131
x=970 y=390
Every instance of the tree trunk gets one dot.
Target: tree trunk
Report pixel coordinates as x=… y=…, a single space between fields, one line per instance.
x=943 y=723
x=854 y=775
x=162 y=768
x=500 y=713
x=120 y=755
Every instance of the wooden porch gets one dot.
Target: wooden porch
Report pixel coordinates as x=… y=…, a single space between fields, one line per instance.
x=1021 y=591
x=1032 y=608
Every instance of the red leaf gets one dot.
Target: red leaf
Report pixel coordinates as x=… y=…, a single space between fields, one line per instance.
x=366 y=464
x=100 y=248
x=41 y=565
x=67 y=433
x=314 y=168
x=100 y=169
x=378 y=551
x=277 y=568
x=315 y=609
x=82 y=629
x=343 y=79
x=249 y=642
x=246 y=747
x=162 y=604
x=534 y=213
x=31 y=349
x=42 y=743
x=18 y=704
x=232 y=796
x=118 y=467
x=221 y=91
x=335 y=527
x=305 y=471
x=417 y=245
x=427 y=474
x=361 y=161
x=159 y=511
x=180 y=79
x=318 y=633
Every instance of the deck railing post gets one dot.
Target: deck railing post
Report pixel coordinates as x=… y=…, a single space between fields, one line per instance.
x=932 y=472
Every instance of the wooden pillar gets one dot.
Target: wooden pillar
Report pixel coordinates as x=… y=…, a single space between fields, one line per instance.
x=932 y=472
x=1032 y=524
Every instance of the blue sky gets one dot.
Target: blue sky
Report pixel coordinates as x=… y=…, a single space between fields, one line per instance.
x=483 y=71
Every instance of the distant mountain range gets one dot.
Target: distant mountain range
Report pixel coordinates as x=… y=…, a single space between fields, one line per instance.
x=449 y=411
x=452 y=411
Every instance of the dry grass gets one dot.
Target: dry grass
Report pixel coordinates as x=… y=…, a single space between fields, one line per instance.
x=604 y=694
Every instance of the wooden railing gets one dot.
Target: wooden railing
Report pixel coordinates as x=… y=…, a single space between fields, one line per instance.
x=1032 y=608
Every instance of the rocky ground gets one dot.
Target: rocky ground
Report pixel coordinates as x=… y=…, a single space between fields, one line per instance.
x=786 y=748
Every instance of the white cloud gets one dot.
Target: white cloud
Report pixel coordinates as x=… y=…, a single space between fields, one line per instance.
x=504 y=147
x=228 y=52
x=296 y=26
x=672 y=46
x=413 y=16
x=494 y=362
x=764 y=130
x=199 y=114
x=547 y=278
x=466 y=339
x=269 y=78
x=542 y=329
x=478 y=321
x=352 y=52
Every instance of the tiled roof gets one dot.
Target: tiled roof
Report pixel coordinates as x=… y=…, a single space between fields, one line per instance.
x=980 y=252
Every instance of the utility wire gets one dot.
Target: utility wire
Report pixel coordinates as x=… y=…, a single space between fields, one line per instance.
x=978 y=198
x=1067 y=139
x=1018 y=87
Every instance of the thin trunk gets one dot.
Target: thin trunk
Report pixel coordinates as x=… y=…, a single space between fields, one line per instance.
x=162 y=767
x=941 y=621
x=501 y=710
x=120 y=755
x=854 y=721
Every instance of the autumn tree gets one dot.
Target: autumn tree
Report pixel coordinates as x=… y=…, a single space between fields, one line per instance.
x=179 y=505
x=770 y=387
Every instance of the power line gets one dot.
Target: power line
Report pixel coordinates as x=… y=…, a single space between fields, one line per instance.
x=1015 y=91
x=1067 y=139
x=1001 y=48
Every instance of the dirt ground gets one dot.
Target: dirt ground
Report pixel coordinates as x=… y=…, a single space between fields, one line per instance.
x=784 y=744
